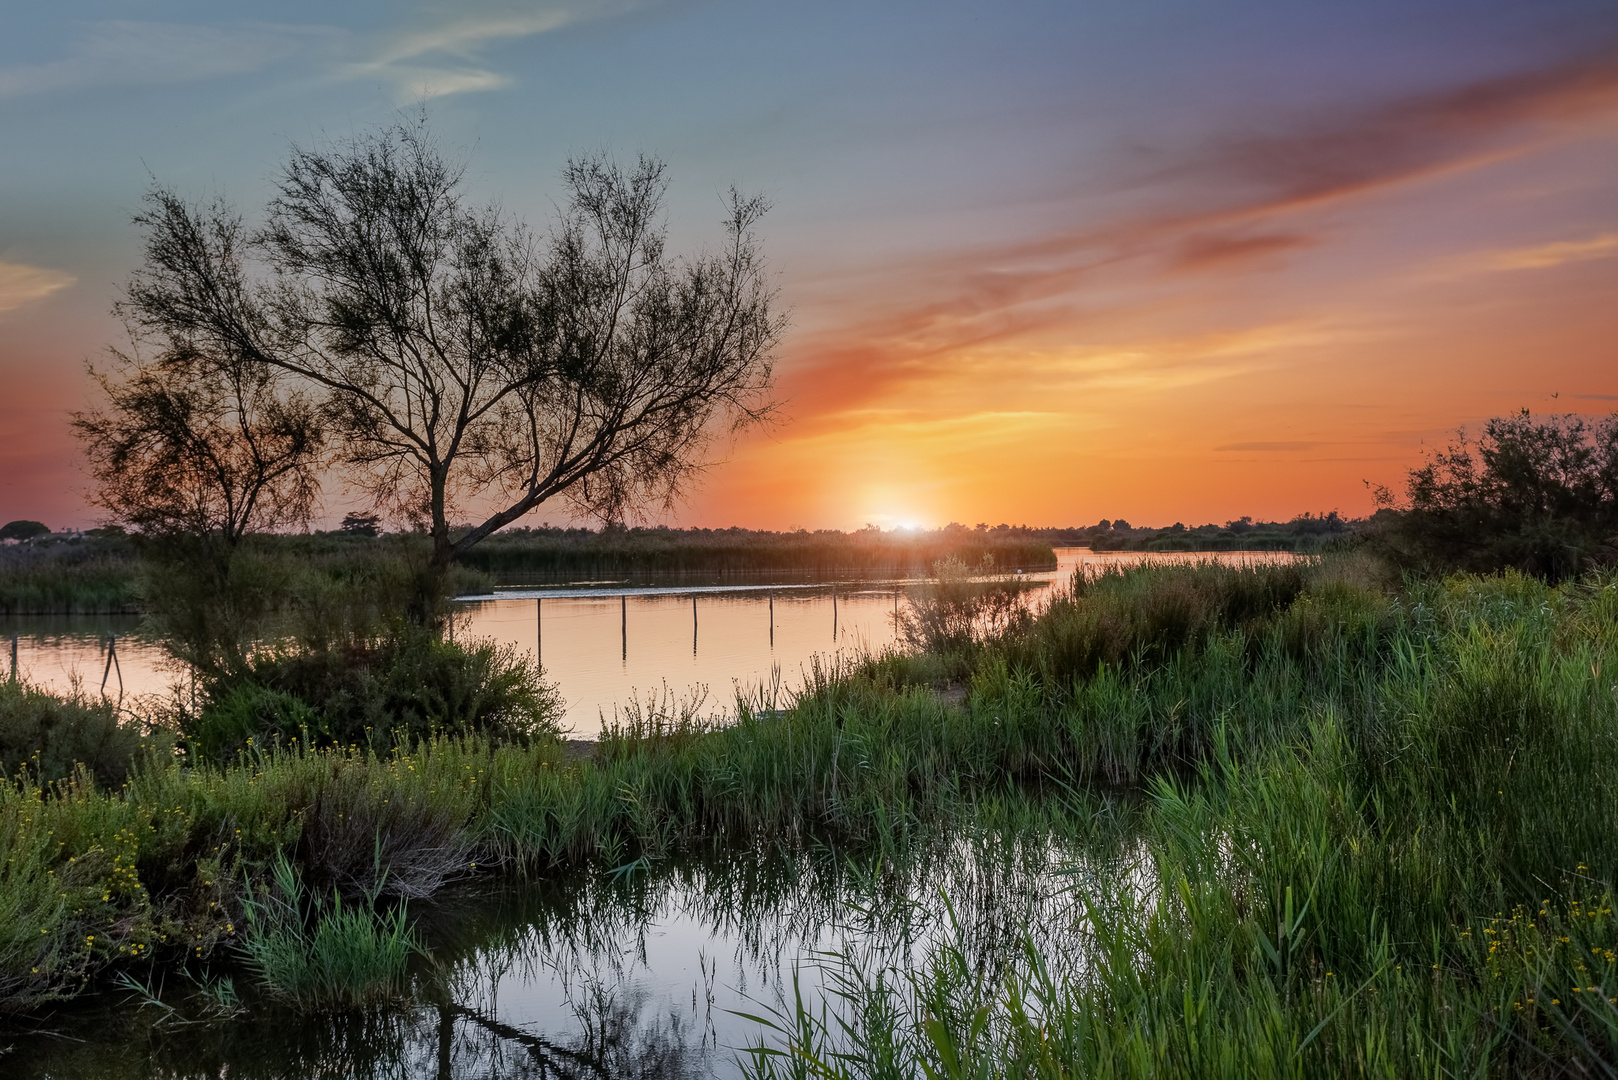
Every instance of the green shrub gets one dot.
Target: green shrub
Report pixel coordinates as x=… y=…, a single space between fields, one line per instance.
x=960 y=606
x=251 y=712
x=50 y=736
x=367 y=835
x=1539 y=495
x=377 y=695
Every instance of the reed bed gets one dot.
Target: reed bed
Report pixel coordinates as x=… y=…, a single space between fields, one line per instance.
x=618 y=551
x=86 y=576
x=117 y=575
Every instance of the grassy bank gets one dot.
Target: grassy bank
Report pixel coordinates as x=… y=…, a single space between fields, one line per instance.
x=1378 y=835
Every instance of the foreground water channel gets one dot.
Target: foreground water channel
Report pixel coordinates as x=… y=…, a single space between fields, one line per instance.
x=657 y=973
x=604 y=644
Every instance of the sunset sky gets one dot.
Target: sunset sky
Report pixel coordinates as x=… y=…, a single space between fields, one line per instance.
x=1047 y=262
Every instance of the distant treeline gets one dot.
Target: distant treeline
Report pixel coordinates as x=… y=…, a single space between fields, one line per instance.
x=661 y=550
x=98 y=572
x=1304 y=533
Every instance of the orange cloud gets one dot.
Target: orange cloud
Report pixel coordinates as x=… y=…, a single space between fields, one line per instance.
x=1543 y=256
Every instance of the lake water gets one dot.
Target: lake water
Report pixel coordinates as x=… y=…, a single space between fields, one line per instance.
x=603 y=644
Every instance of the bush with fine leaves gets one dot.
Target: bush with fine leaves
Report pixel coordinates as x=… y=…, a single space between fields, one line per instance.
x=50 y=736
x=377 y=695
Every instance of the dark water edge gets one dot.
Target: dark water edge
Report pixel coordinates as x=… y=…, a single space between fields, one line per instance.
x=635 y=973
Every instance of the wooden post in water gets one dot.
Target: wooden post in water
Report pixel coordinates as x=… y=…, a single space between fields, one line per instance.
x=539 y=628
x=772 y=620
x=13 y=657
x=834 y=614
x=623 y=615
x=112 y=664
x=693 y=626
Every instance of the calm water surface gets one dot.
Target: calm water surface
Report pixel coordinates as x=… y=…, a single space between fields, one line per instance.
x=638 y=975
x=603 y=644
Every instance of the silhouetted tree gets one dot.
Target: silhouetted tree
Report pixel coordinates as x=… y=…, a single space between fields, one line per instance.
x=23 y=529
x=361 y=524
x=202 y=443
x=463 y=367
x=1537 y=495
x=196 y=445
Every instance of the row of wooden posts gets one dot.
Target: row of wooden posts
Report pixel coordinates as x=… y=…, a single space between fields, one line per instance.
x=113 y=666
x=112 y=663
x=623 y=621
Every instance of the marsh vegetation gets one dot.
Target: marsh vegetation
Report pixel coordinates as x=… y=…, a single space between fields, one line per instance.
x=1369 y=832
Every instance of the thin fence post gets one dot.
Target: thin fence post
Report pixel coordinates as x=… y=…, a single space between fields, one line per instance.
x=13 y=657
x=693 y=626
x=106 y=672
x=772 y=620
x=539 y=628
x=623 y=616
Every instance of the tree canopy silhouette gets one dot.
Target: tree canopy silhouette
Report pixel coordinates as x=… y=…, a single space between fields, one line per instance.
x=462 y=368
x=1537 y=495
x=204 y=444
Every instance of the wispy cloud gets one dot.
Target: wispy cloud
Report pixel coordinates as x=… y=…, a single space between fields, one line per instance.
x=1226 y=250
x=441 y=50
x=121 y=53
x=1529 y=257
x=447 y=54
x=1335 y=153
x=23 y=284
x=1544 y=256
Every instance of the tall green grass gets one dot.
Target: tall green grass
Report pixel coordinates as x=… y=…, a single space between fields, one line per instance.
x=320 y=956
x=1392 y=854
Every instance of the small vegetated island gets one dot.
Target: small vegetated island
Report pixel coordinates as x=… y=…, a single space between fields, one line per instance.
x=1354 y=813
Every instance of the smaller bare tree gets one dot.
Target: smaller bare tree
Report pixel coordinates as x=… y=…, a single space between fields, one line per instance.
x=205 y=443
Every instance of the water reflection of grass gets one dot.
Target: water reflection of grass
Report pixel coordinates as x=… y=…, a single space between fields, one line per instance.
x=585 y=933
x=1003 y=867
